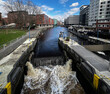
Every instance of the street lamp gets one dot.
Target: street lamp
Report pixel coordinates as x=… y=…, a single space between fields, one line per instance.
x=97 y=29
x=29 y=31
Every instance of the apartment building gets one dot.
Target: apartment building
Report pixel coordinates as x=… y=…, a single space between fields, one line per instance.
x=93 y=12
x=103 y=22
x=99 y=14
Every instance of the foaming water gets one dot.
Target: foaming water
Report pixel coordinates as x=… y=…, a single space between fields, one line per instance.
x=51 y=80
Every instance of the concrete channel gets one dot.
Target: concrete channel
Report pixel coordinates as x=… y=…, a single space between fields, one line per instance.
x=12 y=66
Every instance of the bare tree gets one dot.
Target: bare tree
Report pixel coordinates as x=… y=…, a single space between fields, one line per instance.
x=19 y=10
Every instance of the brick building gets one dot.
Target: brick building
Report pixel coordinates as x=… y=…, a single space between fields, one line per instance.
x=31 y=19
x=18 y=17
x=5 y=21
x=42 y=19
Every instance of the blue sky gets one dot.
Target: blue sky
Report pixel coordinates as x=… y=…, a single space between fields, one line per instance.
x=61 y=9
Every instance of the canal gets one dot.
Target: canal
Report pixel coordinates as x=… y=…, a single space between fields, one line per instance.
x=49 y=72
x=48 y=43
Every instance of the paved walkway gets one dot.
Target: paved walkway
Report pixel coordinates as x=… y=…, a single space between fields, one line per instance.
x=10 y=48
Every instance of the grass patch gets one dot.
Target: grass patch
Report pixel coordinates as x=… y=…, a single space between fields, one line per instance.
x=6 y=35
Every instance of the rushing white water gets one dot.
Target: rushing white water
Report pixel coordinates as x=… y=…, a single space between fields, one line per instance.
x=50 y=80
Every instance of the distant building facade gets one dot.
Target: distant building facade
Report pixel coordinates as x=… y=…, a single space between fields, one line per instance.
x=42 y=19
x=31 y=19
x=18 y=17
x=55 y=21
x=103 y=25
x=84 y=15
x=5 y=21
x=72 y=20
x=103 y=21
x=99 y=14
x=93 y=12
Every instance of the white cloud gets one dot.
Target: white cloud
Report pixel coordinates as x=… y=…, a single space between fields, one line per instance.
x=72 y=11
x=63 y=1
x=66 y=14
x=47 y=8
x=74 y=4
x=2 y=9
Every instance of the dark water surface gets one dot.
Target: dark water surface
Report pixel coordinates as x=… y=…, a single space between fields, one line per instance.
x=48 y=43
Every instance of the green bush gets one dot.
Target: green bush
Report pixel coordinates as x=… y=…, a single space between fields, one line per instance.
x=67 y=38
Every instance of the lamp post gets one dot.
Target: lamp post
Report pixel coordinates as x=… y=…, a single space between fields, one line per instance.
x=97 y=29
x=29 y=32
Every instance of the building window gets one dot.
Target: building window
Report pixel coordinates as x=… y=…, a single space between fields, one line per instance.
x=101 y=9
x=107 y=25
x=108 y=5
x=101 y=6
x=100 y=12
x=107 y=12
x=108 y=1
x=107 y=15
x=102 y=2
x=108 y=8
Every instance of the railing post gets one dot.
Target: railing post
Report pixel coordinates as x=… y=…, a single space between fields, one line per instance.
x=109 y=65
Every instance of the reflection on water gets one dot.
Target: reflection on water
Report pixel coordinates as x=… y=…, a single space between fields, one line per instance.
x=48 y=43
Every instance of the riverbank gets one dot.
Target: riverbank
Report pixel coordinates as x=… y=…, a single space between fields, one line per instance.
x=12 y=46
x=17 y=57
x=7 y=35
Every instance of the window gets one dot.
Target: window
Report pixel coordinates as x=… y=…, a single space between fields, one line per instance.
x=102 y=2
x=108 y=5
x=101 y=6
x=108 y=1
x=108 y=16
x=101 y=9
x=100 y=12
x=107 y=25
x=107 y=12
x=108 y=8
